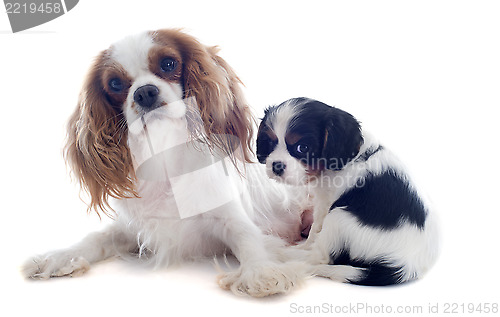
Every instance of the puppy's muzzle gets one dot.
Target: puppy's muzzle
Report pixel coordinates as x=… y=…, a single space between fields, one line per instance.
x=278 y=168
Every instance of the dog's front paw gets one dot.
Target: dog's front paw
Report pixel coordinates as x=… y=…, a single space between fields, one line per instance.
x=262 y=280
x=55 y=265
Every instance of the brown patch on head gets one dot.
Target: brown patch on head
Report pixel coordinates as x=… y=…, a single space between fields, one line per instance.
x=112 y=71
x=292 y=138
x=159 y=53
x=270 y=133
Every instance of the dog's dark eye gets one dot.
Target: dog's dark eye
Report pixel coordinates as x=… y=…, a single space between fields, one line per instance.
x=168 y=64
x=302 y=148
x=115 y=84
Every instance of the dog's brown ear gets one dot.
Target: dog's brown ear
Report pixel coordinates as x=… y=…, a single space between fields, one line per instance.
x=215 y=89
x=96 y=147
x=239 y=120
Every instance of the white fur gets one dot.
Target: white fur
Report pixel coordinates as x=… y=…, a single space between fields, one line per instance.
x=132 y=54
x=245 y=220
x=282 y=120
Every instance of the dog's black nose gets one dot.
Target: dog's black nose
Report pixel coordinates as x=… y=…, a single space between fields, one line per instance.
x=146 y=95
x=279 y=168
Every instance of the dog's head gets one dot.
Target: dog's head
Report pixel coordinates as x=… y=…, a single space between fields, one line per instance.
x=302 y=137
x=135 y=77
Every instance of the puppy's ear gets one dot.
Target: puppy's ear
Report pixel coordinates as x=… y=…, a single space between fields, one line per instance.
x=217 y=93
x=96 y=147
x=342 y=140
x=266 y=140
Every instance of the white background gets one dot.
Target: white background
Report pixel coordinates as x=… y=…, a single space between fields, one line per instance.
x=424 y=76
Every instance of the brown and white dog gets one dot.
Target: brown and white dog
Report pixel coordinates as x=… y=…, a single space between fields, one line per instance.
x=162 y=136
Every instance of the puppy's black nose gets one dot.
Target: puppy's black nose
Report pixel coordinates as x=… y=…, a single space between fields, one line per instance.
x=146 y=96
x=278 y=168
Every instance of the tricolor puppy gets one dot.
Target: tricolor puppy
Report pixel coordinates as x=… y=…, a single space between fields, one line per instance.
x=371 y=226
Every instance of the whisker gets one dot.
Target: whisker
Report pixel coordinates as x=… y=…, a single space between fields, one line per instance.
x=122 y=128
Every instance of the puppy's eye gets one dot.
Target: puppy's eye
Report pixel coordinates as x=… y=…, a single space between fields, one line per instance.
x=302 y=148
x=168 y=64
x=115 y=84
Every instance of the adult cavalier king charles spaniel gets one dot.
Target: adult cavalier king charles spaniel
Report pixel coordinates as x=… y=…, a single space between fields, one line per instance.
x=161 y=141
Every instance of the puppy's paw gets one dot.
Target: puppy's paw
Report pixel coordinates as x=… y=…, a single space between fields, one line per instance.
x=262 y=280
x=55 y=265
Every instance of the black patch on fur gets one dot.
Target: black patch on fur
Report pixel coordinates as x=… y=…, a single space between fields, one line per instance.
x=377 y=273
x=265 y=145
x=310 y=124
x=383 y=201
x=342 y=139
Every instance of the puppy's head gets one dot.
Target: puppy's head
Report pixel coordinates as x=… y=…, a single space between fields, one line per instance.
x=141 y=75
x=301 y=137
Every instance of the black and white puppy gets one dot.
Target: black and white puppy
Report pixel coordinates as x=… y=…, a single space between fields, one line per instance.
x=371 y=226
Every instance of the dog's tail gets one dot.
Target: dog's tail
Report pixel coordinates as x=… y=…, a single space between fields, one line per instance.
x=375 y=274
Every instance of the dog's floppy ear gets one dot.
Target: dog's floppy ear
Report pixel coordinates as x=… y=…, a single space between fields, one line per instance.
x=96 y=147
x=215 y=88
x=342 y=140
